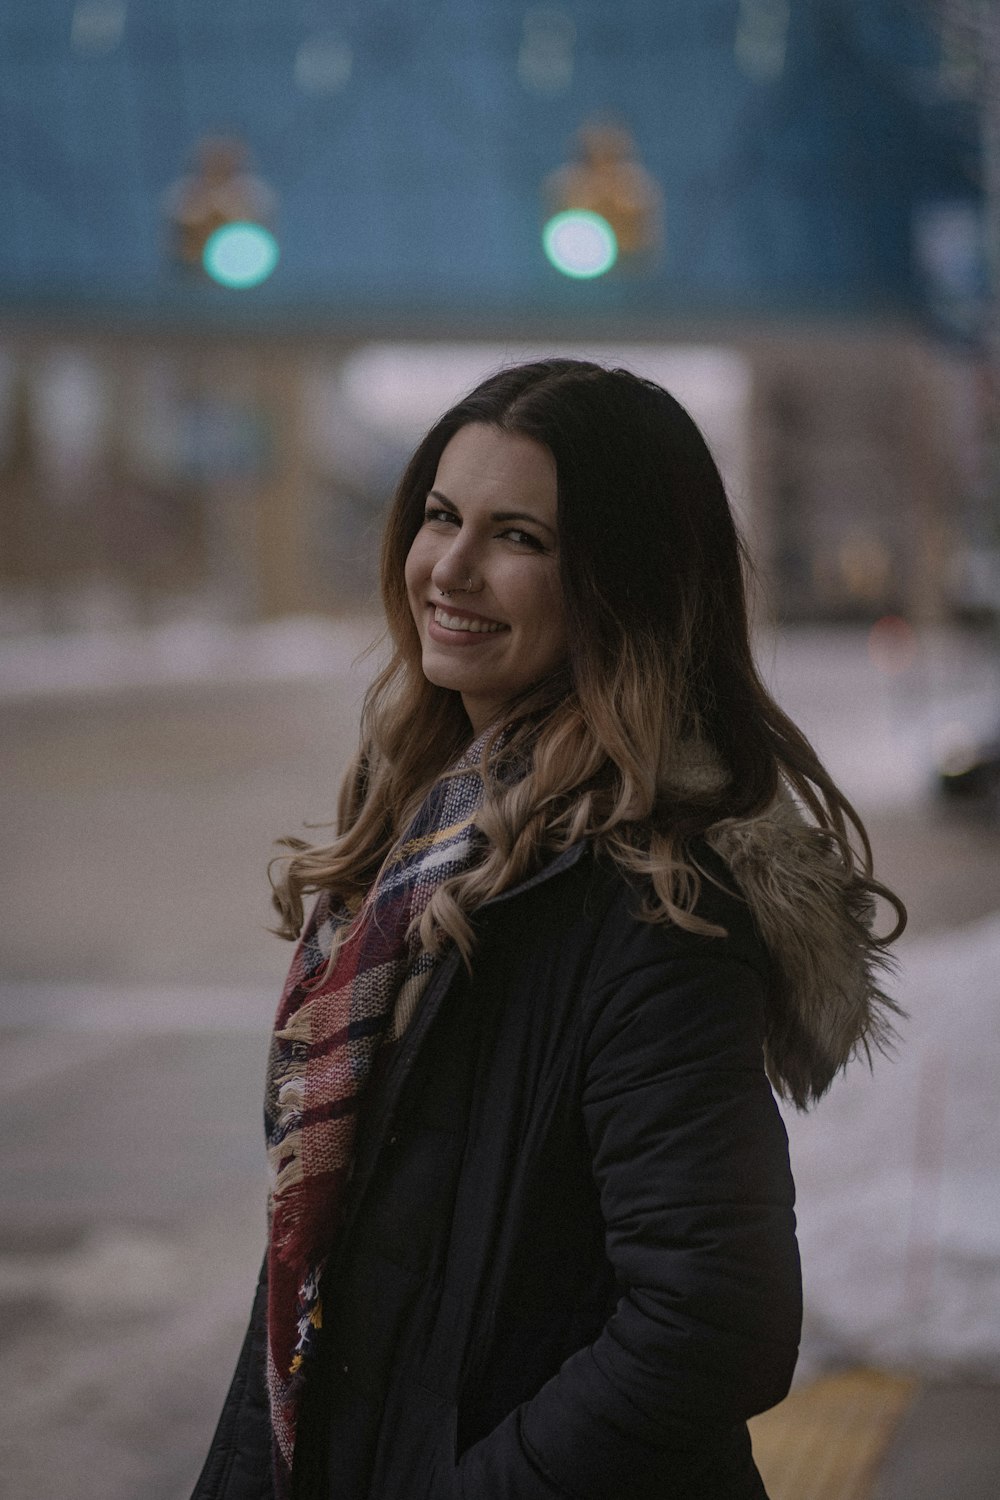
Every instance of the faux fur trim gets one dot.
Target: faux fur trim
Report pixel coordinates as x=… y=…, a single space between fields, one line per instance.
x=826 y=1004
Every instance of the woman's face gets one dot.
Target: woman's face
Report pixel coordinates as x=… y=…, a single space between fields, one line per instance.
x=490 y=518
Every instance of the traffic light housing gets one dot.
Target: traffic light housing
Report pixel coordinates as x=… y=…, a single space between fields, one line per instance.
x=604 y=207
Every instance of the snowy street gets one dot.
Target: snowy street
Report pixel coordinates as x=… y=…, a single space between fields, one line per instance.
x=145 y=780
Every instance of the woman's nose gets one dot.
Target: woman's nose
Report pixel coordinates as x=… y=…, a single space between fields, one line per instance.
x=454 y=567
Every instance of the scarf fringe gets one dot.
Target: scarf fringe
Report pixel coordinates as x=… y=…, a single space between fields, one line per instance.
x=328 y=1030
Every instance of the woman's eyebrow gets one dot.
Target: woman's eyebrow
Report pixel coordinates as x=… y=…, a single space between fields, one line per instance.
x=496 y=515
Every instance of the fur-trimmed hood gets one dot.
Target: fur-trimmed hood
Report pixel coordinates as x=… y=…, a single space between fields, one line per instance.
x=815 y=918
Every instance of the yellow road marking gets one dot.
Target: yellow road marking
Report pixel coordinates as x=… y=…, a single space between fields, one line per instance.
x=824 y=1442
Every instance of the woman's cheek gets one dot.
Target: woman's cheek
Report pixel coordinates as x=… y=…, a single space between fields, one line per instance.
x=414 y=568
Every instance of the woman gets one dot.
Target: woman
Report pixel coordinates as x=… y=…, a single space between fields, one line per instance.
x=531 y=1230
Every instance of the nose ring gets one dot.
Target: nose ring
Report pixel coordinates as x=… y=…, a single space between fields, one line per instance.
x=468 y=589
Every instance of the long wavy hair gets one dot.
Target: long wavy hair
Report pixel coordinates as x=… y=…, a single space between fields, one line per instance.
x=659 y=676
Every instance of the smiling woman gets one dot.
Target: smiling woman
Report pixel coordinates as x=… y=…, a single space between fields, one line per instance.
x=531 y=1230
x=489 y=535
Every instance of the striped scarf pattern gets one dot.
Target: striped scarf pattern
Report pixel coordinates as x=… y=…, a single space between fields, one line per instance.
x=328 y=1030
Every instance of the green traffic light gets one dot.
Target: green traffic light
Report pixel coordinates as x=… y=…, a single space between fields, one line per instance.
x=240 y=255
x=580 y=244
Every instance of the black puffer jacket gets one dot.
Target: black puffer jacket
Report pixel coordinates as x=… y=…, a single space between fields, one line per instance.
x=568 y=1267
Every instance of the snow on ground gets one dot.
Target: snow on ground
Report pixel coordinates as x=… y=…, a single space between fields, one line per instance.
x=181 y=653
x=899 y=1207
x=881 y=723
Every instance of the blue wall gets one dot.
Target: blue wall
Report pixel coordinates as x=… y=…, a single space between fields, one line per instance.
x=411 y=192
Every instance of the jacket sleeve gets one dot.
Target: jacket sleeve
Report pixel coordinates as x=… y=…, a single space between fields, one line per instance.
x=691 y=1162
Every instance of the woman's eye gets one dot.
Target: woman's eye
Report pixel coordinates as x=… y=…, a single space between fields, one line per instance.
x=523 y=538
x=447 y=516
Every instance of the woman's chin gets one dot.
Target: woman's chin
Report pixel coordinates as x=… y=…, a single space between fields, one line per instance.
x=448 y=669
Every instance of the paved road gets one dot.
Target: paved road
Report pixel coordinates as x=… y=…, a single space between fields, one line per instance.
x=138 y=982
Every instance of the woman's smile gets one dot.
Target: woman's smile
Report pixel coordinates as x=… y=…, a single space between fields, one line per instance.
x=482 y=573
x=457 y=628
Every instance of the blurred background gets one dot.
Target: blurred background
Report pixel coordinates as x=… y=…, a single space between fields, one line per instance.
x=249 y=252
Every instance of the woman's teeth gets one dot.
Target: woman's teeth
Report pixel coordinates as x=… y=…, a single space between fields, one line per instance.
x=461 y=622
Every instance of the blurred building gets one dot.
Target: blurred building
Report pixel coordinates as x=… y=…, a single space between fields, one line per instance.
x=795 y=186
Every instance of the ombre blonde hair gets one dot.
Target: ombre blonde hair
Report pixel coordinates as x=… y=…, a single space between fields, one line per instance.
x=657 y=727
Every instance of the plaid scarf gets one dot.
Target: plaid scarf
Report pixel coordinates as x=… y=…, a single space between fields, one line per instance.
x=328 y=1030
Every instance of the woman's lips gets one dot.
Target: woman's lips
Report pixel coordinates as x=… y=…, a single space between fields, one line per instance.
x=481 y=628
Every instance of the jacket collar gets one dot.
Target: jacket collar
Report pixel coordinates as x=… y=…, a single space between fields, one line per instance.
x=563 y=861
